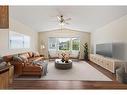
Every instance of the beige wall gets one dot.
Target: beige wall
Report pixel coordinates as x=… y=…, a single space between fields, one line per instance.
x=114 y=32
x=43 y=36
x=17 y=27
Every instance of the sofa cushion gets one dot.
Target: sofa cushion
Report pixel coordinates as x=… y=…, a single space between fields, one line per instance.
x=36 y=54
x=3 y=64
x=24 y=55
x=74 y=54
x=53 y=54
x=1 y=59
x=35 y=59
x=30 y=54
x=38 y=59
x=31 y=67
x=24 y=58
x=17 y=58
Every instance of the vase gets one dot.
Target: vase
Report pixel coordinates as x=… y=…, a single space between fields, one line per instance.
x=62 y=60
x=66 y=61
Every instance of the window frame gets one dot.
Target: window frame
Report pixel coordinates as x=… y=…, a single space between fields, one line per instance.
x=72 y=43
x=57 y=45
x=69 y=44
x=23 y=40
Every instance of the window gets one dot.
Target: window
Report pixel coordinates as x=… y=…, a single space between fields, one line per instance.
x=17 y=40
x=26 y=42
x=52 y=44
x=75 y=43
x=63 y=43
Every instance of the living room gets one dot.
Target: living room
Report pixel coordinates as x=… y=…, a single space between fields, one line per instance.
x=64 y=45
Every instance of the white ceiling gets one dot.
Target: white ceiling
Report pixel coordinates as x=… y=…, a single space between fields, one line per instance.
x=84 y=18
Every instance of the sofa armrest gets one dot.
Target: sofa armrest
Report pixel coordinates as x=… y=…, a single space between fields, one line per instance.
x=18 y=62
x=18 y=67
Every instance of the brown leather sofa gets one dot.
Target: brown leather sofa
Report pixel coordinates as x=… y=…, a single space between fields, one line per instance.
x=24 y=63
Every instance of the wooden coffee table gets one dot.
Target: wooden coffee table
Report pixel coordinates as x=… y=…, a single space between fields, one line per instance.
x=62 y=65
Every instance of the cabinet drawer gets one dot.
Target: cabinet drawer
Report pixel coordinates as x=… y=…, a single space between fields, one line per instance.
x=109 y=66
x=105 y=62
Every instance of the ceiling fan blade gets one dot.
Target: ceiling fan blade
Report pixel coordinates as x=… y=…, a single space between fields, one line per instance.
x=67 y=19
x=58 y=18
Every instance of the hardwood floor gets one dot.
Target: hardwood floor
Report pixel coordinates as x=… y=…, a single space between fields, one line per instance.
x=43 y=84
x=30 y=84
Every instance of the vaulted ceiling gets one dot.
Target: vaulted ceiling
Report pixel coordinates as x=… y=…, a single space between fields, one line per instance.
x=83 y=18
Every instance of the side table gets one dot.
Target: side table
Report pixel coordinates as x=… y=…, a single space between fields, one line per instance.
x=11 y=73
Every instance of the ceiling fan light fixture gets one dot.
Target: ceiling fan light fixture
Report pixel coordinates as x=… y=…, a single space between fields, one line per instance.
x=58 y=18
x=62 y=20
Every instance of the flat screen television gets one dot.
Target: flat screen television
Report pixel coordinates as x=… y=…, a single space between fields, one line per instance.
x=104 y=49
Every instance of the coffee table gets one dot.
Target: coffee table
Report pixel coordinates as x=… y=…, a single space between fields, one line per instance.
x=62 y=65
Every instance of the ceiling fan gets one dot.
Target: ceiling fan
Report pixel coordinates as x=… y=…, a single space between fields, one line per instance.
x=62 y=20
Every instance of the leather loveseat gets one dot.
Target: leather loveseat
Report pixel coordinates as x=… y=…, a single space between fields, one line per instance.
x=24 y=63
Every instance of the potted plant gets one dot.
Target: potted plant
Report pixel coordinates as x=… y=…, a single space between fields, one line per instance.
x=85 y=51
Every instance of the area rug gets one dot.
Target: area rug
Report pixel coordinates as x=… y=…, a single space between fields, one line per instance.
x=80 y=71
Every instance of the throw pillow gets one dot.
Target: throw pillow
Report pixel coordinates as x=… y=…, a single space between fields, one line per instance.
x=53 y=54
x=1 y=59
x=24 y=54
x=36 y=54
x=74 y=54
x=3 y=64
x=30 y=54
x=16 y=58
x=24 y=58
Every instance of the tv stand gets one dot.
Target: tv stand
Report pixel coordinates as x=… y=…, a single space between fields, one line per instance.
x=108 y=63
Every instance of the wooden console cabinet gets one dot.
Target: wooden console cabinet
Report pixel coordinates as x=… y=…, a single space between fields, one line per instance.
x=4 y=78
x=108 y=63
